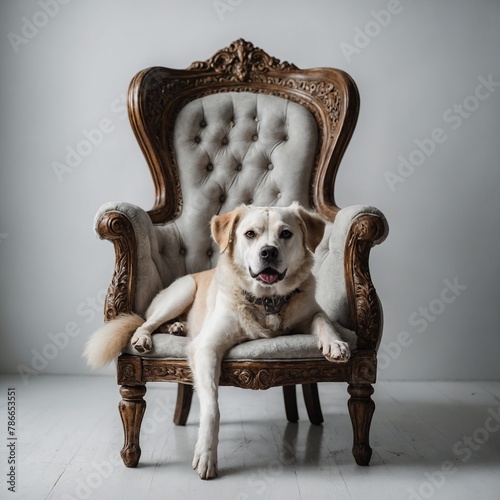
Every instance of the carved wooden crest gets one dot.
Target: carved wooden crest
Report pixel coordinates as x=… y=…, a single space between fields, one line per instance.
x=241 y=60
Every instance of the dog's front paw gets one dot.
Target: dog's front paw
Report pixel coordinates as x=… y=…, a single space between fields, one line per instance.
x=141 y=342
x=205 y=464
x=335 y=351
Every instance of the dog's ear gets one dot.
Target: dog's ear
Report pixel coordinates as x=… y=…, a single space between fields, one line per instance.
x=313 y=227
x=223 y=227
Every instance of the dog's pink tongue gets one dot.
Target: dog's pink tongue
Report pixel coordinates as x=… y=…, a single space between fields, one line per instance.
x=268 y=278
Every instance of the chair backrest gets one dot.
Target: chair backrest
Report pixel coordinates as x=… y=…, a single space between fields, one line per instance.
x=241 y=127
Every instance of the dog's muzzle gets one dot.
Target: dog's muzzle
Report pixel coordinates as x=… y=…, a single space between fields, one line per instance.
x=269 y=259
x=268 y=276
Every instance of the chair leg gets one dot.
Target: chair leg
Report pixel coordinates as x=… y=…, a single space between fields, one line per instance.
x=313 y=405
x=183 y=404
x=132 y=408
x=290 y=397
x=361 y=408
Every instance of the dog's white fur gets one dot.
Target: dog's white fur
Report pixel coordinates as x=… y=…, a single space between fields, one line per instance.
x=220 y=315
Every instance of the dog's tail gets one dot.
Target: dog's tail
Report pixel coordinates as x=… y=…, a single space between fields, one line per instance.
x=108 y=342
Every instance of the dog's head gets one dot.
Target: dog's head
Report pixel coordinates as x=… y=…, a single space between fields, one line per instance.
x=271 y=248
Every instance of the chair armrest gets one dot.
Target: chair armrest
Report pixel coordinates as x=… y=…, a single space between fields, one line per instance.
x=346 y=291
x=133 y=235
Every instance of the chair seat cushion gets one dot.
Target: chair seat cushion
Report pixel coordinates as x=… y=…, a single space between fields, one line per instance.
x=299 y=346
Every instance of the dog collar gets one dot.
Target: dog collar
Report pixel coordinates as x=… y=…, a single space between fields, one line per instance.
x=272 y=304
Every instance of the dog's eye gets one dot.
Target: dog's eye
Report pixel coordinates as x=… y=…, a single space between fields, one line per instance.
x=286 y=234
x=250 y=234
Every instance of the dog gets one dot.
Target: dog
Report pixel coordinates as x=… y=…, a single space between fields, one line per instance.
x=262 y=287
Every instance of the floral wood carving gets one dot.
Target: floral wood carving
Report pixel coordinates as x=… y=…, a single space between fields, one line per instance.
x=129 y=370
x=116 y=227
x=241 y=60
x=364 y=368
x=255 y=376
x=366 y=311
x=174 y=371
x=266 y=374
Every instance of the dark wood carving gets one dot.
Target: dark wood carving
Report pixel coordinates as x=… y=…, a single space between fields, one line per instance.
x=117 y=228
x=132 y=408
x=364 y=367
x=240 y=60
x=361 y=408
x=263 y=375
x=361 y=368
x=364 y=305
x=129 y=370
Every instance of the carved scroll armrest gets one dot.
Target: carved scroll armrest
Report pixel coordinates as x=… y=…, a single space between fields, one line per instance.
x=130 y=230
x=368 y=228
x=339 y=259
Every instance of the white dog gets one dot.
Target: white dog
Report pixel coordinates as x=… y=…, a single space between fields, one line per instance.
x=262 y=287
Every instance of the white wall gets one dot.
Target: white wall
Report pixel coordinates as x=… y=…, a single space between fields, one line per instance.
x=70 y=73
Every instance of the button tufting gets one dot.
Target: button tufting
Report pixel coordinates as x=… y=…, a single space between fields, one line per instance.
x=225 y=140
x=239 y=167
x=222 y=198
x=285 y=138
x=210 y=167
x=182 y=251
x=255 y=137
x=250 y=201
x=203 y=123
x=197 y=139
x=270 y=166
x=210 y=252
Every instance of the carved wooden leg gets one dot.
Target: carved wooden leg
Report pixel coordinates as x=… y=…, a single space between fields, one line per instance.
x=183 y=404
x=132 y=408
x=361 y=408
x=290 y=397
x=313 y=406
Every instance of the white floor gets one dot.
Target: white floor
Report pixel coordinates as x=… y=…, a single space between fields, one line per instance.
x=431 y=440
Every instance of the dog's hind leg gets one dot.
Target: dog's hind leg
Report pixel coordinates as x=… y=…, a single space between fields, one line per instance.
x=166 y=306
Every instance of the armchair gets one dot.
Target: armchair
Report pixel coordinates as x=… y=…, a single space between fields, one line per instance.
x=244 y=127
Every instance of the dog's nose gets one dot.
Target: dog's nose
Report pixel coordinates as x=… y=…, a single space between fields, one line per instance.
x=269 y=252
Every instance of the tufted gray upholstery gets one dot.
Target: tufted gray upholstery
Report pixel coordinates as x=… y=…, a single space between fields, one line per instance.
x=234 y=148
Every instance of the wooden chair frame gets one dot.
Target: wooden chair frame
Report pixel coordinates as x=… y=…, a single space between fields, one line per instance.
x=155 y=97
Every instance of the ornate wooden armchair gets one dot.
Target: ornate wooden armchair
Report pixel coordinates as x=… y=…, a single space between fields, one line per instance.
x=243 y=127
